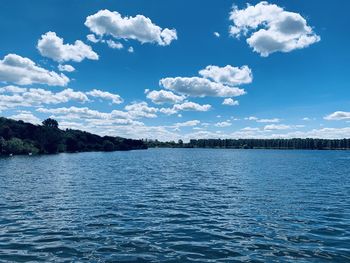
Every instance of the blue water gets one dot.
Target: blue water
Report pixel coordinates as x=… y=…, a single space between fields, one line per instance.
x=176 y=205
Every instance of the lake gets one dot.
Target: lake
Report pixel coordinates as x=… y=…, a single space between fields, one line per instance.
x=176 y=205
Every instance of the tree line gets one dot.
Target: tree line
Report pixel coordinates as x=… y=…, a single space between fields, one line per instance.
x=18 y=137
x=296 y=143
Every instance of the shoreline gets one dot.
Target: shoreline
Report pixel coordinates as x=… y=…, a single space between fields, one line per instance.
x=157 y=148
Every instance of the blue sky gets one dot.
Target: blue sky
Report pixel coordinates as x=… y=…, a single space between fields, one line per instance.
x=289 y=58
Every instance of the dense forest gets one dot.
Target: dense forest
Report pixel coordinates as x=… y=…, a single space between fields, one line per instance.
x=310 y=144
x=18 y=137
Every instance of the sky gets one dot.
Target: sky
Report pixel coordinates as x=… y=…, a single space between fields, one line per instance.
x=181 y=69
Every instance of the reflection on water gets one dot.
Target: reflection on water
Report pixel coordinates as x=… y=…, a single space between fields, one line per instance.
x=176 y=205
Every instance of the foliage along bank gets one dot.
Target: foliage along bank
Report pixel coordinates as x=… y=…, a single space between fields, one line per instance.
x=18 y=137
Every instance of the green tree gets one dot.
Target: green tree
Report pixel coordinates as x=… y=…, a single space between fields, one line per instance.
x=14 y=146
x=51 y=123
x=108 y=146
x=2 y=145
x=72 y=144
x=6 y=132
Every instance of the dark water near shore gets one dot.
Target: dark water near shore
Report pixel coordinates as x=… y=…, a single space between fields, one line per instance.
x=176 y=205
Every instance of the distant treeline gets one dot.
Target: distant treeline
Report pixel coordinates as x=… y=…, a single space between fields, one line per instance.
x=18 y=137
x=307 y=144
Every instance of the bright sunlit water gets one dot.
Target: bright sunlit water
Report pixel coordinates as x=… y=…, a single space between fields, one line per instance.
x=176 y=205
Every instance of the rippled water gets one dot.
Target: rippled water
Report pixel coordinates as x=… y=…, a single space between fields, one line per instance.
x=176 y=205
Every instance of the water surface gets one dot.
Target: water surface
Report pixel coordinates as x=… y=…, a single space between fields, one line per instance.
x=176 y=205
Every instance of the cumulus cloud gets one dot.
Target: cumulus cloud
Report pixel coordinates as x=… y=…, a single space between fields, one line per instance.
x=253 y=118
x=84 y=113
x=230 y=102
x=273 y=120
x=338 y=116
x=92 y=38
x=223 y=124
x=228 y=75
x=110 y=43
x=214 y=82
x=272 y=127
x=250 y=129
x=114 y=44
x=52 y=46
x=93 y=120
x=187 y=123
x=191 y=106
x=163 y=96
x=140 y=28
x=131 y=50
x=217 y=34
x=23 y=71
x=67 y=68
x=12 y=89
x=186 y=106
x=25 y=116
x=48 y=97
x=21 y=97
x=270 y=28
x=115 y=98
x=199 y=87
x=141 y=109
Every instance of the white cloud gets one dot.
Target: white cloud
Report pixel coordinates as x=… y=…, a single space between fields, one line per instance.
x=168 y=111
x=249 y=129
x=140 y=28
x=253 y=118
x=103 y=123
x=223 y=124
x=115 y=98
x=199 y=87
x=163 y=96
x=67 y=68
x=36 y=97
x=41 y=96
x=338 y=116
x=274 y=120
x=217 y=34
x=84 y=112
x=271 y=127
x=186 y=106
x=141 y=109
x=139 y=132
x=273 y=29
x=26 y=116
x=191 y=106
x=114 y=44
x=131 y=50
x=230 y=102
x=187 y=123
x=228 y=75
x=110 y=43
x=52 y=46
x=23 y=71
x=215 y=82
x=92 y=38
x=12 y=89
